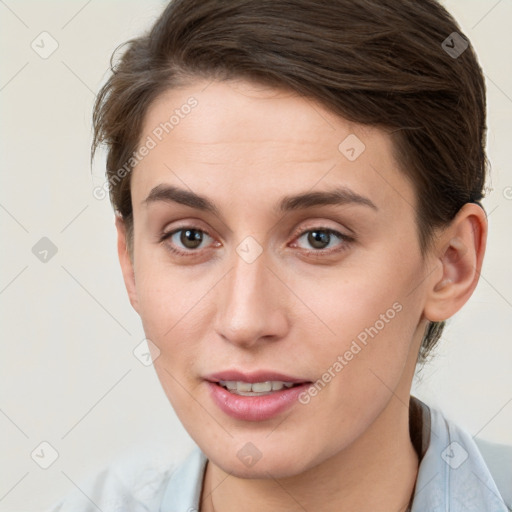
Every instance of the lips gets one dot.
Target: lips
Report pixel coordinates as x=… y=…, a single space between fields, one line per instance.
x=252 y=377
x=255 y=396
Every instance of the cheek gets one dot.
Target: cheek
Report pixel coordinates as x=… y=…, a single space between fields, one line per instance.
x=368 y=320
x=351 y=299
x=169 y=296
x=361 y=365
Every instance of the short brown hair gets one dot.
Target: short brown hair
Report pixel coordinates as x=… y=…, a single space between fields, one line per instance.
x=383 y=63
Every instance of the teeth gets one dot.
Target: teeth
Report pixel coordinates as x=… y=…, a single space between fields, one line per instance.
x=255 y=388
x=260 y=387
x=243 y=386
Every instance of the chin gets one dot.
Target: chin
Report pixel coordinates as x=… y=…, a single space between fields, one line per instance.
x=271 y=462
x=262 y=469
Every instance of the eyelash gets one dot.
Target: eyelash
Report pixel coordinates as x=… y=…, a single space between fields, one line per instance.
x=345 y=239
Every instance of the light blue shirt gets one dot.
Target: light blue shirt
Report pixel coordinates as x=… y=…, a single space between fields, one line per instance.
x=452 y=477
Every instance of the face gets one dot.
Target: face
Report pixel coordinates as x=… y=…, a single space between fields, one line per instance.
x=275 y=244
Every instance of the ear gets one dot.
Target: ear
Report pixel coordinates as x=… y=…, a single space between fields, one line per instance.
x=126 y=262
x=460 y=251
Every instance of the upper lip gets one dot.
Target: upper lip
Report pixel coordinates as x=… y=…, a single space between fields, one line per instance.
x=256 y=376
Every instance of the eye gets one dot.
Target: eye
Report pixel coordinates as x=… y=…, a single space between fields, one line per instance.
x=323 y=240
x=189 y=238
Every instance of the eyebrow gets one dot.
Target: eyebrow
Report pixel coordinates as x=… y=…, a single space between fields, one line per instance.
x=337 y=196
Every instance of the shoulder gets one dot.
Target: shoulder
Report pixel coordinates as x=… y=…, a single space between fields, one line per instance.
x=498 y=458
x=132 y=482
x=462 y=473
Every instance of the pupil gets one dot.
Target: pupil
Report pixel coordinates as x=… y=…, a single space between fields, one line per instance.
x=191 y=238
x=319 y=239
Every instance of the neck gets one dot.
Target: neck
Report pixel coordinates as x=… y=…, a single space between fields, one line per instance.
x=376 y=472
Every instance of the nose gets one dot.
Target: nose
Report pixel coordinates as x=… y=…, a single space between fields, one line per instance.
x=251 y=307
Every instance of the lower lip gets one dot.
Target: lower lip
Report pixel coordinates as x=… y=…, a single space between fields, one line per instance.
x=255 y=408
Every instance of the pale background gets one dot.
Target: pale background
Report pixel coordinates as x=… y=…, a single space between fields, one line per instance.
x=69 y=376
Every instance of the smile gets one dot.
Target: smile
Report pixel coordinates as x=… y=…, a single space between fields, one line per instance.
x=254 y=396
x=255 y=388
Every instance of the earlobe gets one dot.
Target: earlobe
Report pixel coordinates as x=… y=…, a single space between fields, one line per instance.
x=126 y=262
x=460 y=250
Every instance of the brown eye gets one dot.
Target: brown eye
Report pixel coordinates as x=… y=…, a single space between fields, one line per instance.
x=191 y=238
x=319 y=239
x=185 y=240
x=323 y=239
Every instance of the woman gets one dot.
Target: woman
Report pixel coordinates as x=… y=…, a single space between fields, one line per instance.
x=297 y=189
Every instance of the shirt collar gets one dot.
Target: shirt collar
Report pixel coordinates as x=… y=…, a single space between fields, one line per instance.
x=452 y=475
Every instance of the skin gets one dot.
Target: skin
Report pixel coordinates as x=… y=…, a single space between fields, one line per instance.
x=244 y=147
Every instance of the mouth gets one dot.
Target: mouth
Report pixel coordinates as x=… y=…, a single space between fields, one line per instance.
x=255 y=388
x=257 y=383
x=254 y=396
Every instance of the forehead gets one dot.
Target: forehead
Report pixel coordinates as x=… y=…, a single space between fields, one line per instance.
x=257 y=141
